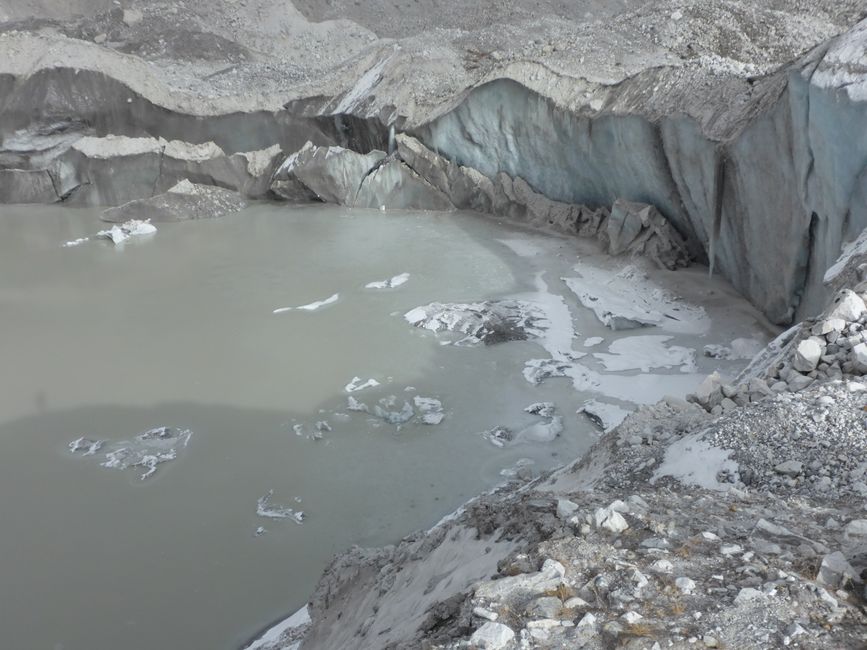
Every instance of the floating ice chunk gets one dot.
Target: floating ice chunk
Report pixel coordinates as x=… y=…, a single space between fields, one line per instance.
x=404 y=415
x=261 y=530
x=322 y=426
x=146 y=450
x=264 y=508
x=86 y=446
x=356 y=384
x=515 y=470
x=607 y=416
x=498 y=436
x=537 y=370
x=646 y=352
x=430 y=409
x=132 y=228
x=593 y=340
x=542 y=409
x=629 y=300
x=391 y=283
x=313 y=306
x=76 y=242
x=353 y=404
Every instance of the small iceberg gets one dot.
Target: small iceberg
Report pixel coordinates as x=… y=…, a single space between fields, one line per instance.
x=313 y=306
x=356 y=384
x=391 y=283
x=132 y=228
x=430 y=409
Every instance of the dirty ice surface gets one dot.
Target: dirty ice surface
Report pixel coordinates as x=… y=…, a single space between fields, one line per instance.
x=369 y=420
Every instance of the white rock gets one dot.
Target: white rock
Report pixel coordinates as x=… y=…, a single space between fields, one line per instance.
x=829 y=325
x=132 y=17
x=662 y=566
x=610 y=520
x=848 y=306
x=481 y=612
x=807 y=355
x=588 y=621
x=632 y=617
x=492 y=636
x=685 y=585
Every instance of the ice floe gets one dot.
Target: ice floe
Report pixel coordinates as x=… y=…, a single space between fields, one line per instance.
x=391 y=283
x=545 y=431
x=147 y=450
x=76 y=242
x=353 y=404
x=629 y=300
x=313 y=306
x=606 y=415
x=387 y=409
x=119 y=233
x=357 y=384
x=591 y=341
x=645 y=353
x=264 y=508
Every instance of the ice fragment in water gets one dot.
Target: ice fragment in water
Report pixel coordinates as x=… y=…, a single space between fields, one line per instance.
x=146 y=450
x=391 y=283
x=264 y=508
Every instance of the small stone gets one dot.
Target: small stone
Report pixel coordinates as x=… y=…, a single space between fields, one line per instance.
x=610 y=520
x=132 y=17
x=835 y=571
x=588 y=621
x=492 y=636
x=632 y=617
x=545 y=607
x=575 y=603
x=487 y=614
x=710 y=641
x=859 y=355
x=99 y=39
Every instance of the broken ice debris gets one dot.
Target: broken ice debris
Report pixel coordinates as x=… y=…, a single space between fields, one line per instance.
x=132 y=228
x=264 y=508
x=385 y=409
x=313 y=306
x=607 y=416
x=86 y=446
x=76 y=242
x=430 y=409
x=498 y=436
x=391 y=283
x=356 y=384
x=146 y=450
x=353 y=404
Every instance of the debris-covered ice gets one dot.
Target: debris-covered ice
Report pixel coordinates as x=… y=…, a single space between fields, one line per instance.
x=646 y=352
x=119 y=233
x=313 y=306
x=357 y=384
x=146 y=450
x=264 y=508
x=391 y=283
x=498 y=436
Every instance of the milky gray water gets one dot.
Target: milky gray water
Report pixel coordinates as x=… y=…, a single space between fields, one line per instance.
x=177 y=329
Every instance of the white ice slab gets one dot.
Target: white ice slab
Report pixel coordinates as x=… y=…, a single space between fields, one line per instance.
x=313 y=306
x=645 y=353
x=357 y=384
x=264 y=508
x=391 y=283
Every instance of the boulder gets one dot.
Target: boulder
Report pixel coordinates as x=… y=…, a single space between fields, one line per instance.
x=492 y=636
x=848 y=306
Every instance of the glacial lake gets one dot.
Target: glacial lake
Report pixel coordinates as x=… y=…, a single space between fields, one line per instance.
x=178 y=329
